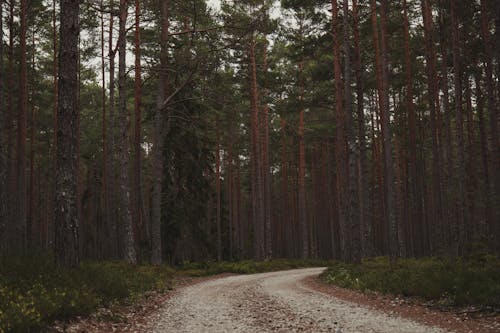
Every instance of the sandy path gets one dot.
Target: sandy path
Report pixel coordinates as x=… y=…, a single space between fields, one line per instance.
x=271 y=302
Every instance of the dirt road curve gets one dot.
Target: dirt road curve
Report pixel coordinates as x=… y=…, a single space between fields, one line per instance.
x=271 y=302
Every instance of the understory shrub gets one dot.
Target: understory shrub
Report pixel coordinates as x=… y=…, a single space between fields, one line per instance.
x=458 y=282
x=34 y=292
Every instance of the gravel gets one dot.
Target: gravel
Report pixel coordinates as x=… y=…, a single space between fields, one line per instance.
x=271 y=302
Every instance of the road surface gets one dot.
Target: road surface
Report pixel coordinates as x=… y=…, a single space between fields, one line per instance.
x=271 y=302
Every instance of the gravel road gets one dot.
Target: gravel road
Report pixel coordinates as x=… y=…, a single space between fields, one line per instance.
x=271 y=302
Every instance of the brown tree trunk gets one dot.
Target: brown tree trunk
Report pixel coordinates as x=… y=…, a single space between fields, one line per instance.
x=66 y=219
x=124 y=205
x=105 y=157
x=303 y=225
x=266 y=172
x=218 y=200
x=258 y=215
x=340 y=144
x=3 y=141
x=460 y=202
x=365 y=224
x=352 y=149
x=159 y=138
x=433 y=97
x=22 y=208
x=137 y=183
x=111 y=212
x=386 y=129
x=30 y=228
x=414 y=198
x=493 y=188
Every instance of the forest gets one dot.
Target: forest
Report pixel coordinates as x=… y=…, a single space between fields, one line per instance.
x=252 y=129
x=176 y=132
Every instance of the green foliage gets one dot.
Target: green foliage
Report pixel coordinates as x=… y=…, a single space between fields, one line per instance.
x=248 y=266
x=33 y=291
x=461 y=281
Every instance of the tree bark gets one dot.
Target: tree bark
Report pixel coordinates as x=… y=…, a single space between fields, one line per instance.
x=258 y=215
x=66 y=217
x=3 y=141
x=352 y=148
x=433 y=97
x=111 y=200
x=460 y=201
x=22 y=208
x=137 y=183
x=386 y=129
x=159 y=138
x=340 y=141
x=124 y=205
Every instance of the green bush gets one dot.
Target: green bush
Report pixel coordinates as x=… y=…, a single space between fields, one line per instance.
x=34 y=292
x=462 y=281
x=248 y=266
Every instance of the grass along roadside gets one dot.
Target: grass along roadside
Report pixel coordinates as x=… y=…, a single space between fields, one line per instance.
x=34 y=292
x=446 y=282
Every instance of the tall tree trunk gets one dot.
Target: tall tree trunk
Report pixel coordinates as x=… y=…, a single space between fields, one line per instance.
x=258 y=215
x=448 y=160
x=483 y=144
x=9 y=123
x=414 y=198
x=285 y=210
x=218 y=201
x=159 y=138
x=303 y=225
x=30 y=230
x=66 y=219
x=365 y=224
x=105 y=157
x=137 y=183
x=111 y=212
x=386 y=129
x=3 y=141
x=128 y=251
x=266 y=172
x=340 y=144
x=353 y=151
x=22 y=208
x=493 y=188
x=433 y=96
x=460 y=202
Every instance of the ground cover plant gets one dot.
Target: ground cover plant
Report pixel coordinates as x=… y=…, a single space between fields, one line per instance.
x=455 y=282
x=34 y=292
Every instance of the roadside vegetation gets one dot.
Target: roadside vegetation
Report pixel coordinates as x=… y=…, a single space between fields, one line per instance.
x=34 y=291
x=447 y=282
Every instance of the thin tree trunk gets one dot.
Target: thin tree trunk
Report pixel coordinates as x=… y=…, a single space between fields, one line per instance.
x=433 y=97
x=493 y=188
x=128 y=251
x=111 y=221
x=105 y=157
x=66 y=216
x=22 y=208
x=340 y=145
x=218 y=200
x=258 y=215
x=266 y=172
x=352 y=149
x=414 y=198
x=159 y=138
x=3 y=141
x=460 y=204
x=386 y=129
x=303 y=223
x=30 y=232
x=365 y=225
x=137 y=184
